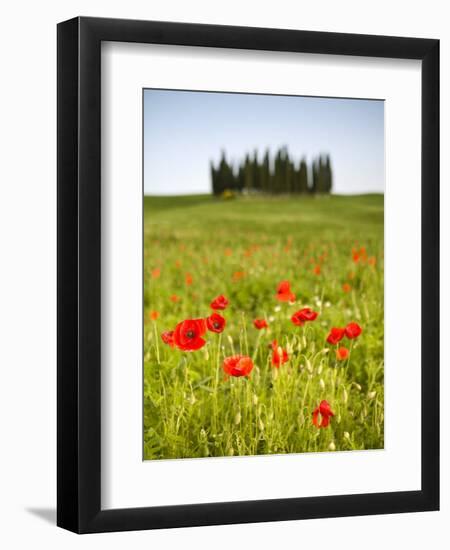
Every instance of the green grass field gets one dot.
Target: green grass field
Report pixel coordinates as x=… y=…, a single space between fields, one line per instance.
x=330 y=249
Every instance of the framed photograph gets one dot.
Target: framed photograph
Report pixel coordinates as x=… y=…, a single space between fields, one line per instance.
x=248 y=275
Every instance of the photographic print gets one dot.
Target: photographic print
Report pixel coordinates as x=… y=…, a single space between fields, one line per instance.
x=263 y=277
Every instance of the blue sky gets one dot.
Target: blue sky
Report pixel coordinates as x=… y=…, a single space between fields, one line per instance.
x=184 y=131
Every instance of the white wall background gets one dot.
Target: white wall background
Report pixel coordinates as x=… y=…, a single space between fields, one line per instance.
x=28 y=270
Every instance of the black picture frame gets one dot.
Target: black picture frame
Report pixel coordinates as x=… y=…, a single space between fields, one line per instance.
x=79 y=276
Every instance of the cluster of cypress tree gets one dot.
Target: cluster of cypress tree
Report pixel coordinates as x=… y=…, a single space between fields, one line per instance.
x=276 y=175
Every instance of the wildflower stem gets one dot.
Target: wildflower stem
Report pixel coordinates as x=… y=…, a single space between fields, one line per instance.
x=156 y=344
x=244 y=330
x=255 y=351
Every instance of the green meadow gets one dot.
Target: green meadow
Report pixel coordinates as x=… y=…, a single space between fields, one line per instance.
x=330 y=249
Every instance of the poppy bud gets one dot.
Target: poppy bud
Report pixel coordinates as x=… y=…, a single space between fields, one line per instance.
x=322 y=384
x=344 y=396
x=347 y=435
x=237 y=418
x=371 y=394
x=332 y=446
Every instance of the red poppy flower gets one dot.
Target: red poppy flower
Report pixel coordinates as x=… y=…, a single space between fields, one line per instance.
x=306 y=314
x=342 y=354
x=215 y=322
x=325 y=412
x=279 y=355
x=154 y=315
x=238 y=275
x=238 y=365
x=260 y=323
x=219 y=303
x=156 y=273
x=167 y=338
x=335 y=336
x=284 y=293
x=174 y=298
x=188 y=279
x=346 y=287
x=187 y=335
x=352 y=330
x=317 y=270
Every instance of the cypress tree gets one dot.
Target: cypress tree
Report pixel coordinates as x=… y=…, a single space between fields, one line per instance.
x=282 y=175
x=265 y=175
x=247 y=174
x=213 y=178
x=321 y=181
x=256 y=172
x=303 y=177
x=329 y=175
x=278 y=173
x=241 y=178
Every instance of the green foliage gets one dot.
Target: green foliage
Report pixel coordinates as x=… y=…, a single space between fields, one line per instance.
x=243 y=249
x=278 y=176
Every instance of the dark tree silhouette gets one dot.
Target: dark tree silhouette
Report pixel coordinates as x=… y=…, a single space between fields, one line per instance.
x=282 y=175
